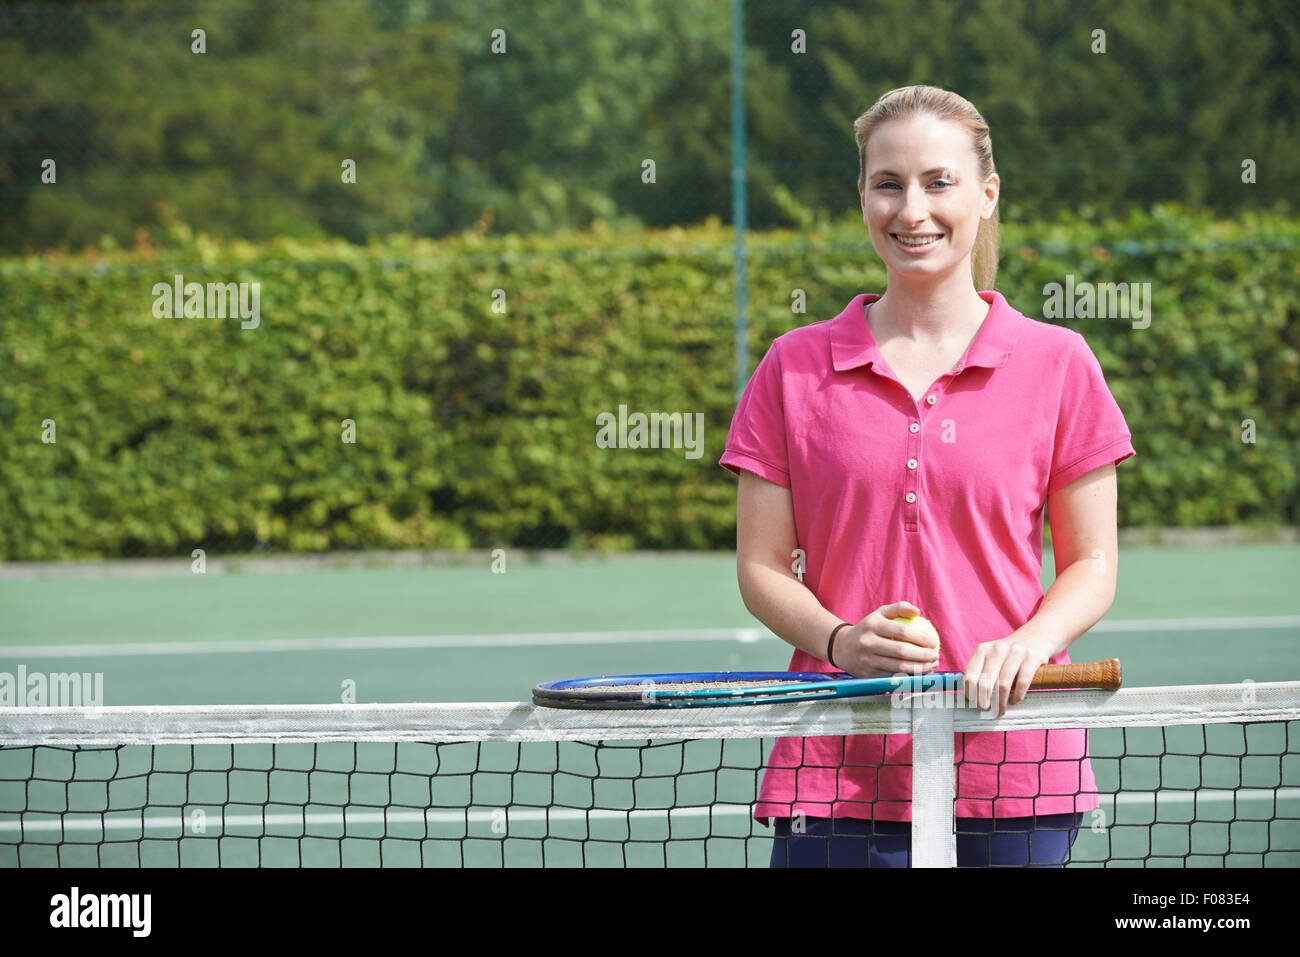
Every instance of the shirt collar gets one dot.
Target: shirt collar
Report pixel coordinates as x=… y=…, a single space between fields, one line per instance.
x=852 y=344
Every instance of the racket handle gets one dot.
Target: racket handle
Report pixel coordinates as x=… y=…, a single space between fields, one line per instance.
x=1086 y=674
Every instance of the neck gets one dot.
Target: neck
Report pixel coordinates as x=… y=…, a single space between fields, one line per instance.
x=931 y=308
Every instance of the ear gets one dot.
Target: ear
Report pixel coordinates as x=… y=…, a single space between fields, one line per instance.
x=992 y=190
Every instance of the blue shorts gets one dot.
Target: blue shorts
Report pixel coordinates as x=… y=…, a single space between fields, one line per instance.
x=1042 y=841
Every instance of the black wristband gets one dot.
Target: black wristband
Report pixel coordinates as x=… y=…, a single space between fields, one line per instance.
x=830 y=645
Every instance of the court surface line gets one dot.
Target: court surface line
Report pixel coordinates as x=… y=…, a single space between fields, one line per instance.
x=44 y=822
x=380 y=642
x=547 y=639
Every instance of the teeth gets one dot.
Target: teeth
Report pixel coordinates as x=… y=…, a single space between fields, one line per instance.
x=917 y=240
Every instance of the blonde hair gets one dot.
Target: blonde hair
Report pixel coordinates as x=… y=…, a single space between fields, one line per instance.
x=909 y=101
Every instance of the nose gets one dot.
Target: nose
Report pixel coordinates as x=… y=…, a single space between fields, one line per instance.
x=915 y=209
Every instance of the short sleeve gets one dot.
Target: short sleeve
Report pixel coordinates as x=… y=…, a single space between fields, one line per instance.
x=756 y=441
x=1090 y=428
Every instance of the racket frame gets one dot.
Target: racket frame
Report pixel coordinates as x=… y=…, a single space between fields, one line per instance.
x=642 y=691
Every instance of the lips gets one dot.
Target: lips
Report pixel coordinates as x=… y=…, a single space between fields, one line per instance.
x=916 y=243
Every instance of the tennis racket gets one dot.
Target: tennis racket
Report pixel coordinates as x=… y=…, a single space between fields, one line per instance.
x=719 y=688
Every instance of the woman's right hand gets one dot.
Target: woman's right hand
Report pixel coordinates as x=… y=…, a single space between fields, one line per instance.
x=877 y=646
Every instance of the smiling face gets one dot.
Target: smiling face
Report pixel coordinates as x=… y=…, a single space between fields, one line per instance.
x=924 y=199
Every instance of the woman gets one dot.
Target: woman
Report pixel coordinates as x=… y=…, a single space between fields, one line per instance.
x=909 y=446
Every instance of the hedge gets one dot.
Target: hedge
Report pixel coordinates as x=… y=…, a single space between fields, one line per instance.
x=476 y=426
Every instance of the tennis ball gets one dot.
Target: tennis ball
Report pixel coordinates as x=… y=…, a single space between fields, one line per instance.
x=924 y=624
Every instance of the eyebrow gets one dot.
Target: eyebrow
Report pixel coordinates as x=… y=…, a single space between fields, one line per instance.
x=938 y=169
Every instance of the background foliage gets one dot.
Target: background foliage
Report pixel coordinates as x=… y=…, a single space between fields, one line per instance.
x=522 y=171
x=477 y=427
x=247 y=140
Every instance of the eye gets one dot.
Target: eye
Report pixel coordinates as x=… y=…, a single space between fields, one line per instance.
x=890 y=184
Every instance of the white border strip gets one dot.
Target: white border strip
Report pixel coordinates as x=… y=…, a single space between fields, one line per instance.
x=232 y=724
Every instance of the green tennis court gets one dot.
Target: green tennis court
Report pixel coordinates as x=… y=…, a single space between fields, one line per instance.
x=462 y=633
x=1196 y=795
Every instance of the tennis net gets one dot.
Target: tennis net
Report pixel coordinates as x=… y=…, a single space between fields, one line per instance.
x=1186 y=776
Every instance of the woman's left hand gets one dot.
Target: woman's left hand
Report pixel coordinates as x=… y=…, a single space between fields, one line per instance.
x=999 y=672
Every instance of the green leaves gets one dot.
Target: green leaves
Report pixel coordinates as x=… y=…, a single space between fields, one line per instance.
x=472 y=427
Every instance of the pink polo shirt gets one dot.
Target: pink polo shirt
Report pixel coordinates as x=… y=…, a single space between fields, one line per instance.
x=939 y=503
